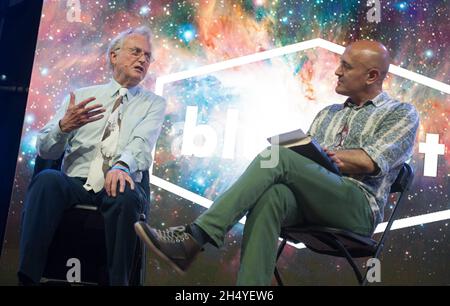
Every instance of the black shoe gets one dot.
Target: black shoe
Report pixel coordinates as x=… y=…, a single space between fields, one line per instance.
x=174 y=245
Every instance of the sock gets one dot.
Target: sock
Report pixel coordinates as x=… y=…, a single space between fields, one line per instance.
x=199 y=235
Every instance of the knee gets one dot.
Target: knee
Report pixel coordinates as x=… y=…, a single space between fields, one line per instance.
x=130 y=200
x=48 y=178
x=281 y=190
x=281 y=193
x=279 y=198
x=45 y=183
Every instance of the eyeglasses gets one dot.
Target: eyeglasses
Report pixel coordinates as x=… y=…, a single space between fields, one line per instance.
x=137 y=53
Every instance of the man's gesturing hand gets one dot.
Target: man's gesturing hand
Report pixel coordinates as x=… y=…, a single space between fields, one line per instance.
x=78 y=115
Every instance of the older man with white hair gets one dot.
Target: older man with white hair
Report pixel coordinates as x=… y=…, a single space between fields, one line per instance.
x=106 y=133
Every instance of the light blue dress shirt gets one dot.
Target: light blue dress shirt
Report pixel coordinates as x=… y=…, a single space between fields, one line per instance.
x=142 y=117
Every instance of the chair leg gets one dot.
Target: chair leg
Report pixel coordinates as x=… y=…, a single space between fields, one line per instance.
x=377 y=254
x=143 y=264
x=277 y=274
x=350 y=260
x=364 y=282
x=134 y=276
x=281 y=248
x=278 y=277
x=143 y=255
x=137 y=274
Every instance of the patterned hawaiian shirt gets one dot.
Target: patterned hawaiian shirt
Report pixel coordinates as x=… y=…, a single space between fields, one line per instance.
x=383 y=127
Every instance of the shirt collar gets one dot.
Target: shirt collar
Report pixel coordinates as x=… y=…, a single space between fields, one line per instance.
x=114 y=89
x=381 y=99
x=378 y=101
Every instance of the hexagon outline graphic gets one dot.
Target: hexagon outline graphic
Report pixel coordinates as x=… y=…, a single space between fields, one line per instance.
x=260 y=56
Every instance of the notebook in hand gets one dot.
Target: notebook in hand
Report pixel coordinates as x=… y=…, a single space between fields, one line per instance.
x=305 y=145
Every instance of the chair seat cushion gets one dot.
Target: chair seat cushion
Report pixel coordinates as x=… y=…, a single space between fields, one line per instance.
x=325 y=240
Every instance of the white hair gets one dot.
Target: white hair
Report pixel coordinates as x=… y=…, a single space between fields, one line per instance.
x=117 y=42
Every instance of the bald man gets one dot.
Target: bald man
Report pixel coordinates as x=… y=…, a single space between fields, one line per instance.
x=369 y=137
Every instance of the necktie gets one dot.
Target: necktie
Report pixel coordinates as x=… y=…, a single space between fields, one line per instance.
x=106 y=149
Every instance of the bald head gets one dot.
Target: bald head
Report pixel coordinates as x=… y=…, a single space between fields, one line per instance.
x=364 y=65
x=370 y=54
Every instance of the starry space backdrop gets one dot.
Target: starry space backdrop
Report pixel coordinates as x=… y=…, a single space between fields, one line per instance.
x=245 y=104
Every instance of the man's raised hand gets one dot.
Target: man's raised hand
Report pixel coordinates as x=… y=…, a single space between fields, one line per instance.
x=78 y=115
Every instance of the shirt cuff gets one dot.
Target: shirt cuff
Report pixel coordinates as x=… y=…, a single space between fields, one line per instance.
x=58 y=134
x=128 y=159
x=378 y=159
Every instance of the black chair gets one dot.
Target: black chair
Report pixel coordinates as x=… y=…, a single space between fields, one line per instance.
x=343 y=243
x=81 y=235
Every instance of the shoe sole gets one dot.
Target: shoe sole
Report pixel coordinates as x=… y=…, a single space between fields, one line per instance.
x=141 y=233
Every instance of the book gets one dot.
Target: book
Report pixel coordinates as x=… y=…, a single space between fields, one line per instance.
x=306 y=146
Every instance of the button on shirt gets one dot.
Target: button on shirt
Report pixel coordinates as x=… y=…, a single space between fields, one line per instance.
x=383 y=127
x=142 y=116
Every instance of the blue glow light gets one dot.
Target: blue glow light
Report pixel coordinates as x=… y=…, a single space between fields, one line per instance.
x=401 y=6
x=188 y=35
x=200 y=181
x=44 y=71
x=429 y=53
x=29 y=143
x=30 y=118
x=144 y=10
x=187 y=32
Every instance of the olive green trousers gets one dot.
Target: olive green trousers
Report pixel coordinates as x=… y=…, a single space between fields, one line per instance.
x=295 y=191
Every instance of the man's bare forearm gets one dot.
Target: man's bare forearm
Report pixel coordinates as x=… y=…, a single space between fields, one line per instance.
x=355 y=161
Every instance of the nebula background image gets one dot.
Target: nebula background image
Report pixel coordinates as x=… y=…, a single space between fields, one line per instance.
x=246 y=104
